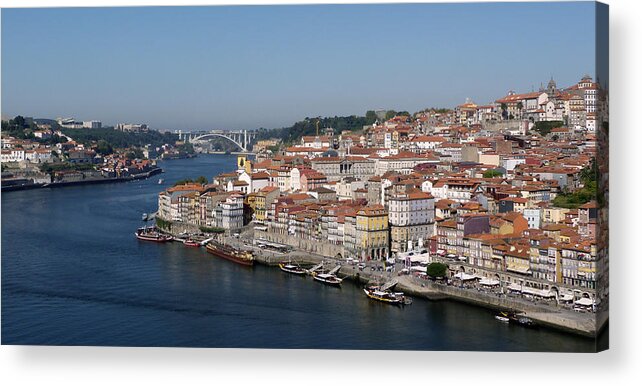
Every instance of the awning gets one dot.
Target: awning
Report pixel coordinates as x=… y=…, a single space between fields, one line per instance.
x=538 y=292
x=584 y=302
x=419 y=268
x=464 y=276
x=519 y=269
x=489 y=282
x=515 y=287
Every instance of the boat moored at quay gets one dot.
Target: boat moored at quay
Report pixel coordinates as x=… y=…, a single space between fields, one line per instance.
x=291 y=268
x=327 y=278
x=389 y=297
x=191 y=243
x=231 y=254
x=151 y=234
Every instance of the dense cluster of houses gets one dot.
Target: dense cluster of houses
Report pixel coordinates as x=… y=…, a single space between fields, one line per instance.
x=436 y=184
x=26 y=155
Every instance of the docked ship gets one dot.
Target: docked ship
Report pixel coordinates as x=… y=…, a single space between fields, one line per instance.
x=515 y=318
x=327 y=278
x=502 y=317
x=191 y=243
x=151 y=234
x=389 y=297
x=229 y=253
x=293 y=269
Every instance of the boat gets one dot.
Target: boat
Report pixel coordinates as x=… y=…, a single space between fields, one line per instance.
x=160 y=181
x=515 y=318
x=389 y=297
x=151 y=234
x=144 y=216
x=291 y=268
x=231 y=254
x=191 y=243
x=327 y=278
x=502 y=318
x=524 y=321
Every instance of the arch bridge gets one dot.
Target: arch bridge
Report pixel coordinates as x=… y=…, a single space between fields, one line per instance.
x=241 y=138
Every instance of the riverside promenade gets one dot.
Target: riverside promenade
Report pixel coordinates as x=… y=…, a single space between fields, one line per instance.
x=587 y=324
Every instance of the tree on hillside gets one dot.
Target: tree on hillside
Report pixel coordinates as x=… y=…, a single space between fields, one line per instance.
x=520 y=107
x=202 y=180
x=390 y=114
x=371 y=117
x=104 y=148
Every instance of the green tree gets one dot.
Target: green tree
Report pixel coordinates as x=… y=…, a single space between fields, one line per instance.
x=504 y=109
x=371 y=117
x=183 y=182
x=390 y=114
x=545 y=127
x=492 y=173
x=104 y=148
x=589 y=177
x=436 y=270
x=202 y=180
x=134 y=153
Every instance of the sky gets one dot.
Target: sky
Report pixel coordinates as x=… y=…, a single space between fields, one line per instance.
x=244 y=67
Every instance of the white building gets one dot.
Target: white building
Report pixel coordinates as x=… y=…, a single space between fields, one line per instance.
x=412 y=220
x=229 y=214
x=133 y=127
x=425 y=142
x=534 y=217
x=92 y=124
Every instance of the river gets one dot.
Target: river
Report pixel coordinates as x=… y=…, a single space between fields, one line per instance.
x=74 y=274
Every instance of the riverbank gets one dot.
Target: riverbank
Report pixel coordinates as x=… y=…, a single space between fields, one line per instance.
x=579 y=323
x=545 y=314
x=89 y=181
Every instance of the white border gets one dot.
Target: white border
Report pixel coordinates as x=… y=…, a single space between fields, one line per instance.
x=102 y=366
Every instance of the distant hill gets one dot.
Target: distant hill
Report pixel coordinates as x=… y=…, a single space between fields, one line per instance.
x=308 y=126
x=120 y=139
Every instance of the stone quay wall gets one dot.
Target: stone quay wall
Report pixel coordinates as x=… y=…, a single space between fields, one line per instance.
x=319 y=248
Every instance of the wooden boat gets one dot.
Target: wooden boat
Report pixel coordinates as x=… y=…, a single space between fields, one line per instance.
x=388 y=297
x=501 y=318
x=523 y=321
x=191 y=243
x=293 y=269
x=151 y=234
x=327 y=278
x=515 y=318
x=231 y=254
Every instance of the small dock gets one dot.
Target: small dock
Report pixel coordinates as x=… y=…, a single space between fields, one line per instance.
x=388 y=285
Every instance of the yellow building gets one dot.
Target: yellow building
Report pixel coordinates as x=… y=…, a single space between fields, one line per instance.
x=243 y=164
x=263 y=144
x=553 y=215
x=372 y=235
x=263 y=200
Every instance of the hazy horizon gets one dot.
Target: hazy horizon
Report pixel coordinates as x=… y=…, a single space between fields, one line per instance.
x=245 y=67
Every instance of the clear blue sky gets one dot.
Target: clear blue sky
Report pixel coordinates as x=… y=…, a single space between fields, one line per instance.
x=269 y=66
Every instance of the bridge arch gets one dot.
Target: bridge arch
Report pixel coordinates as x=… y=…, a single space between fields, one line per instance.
x=221 y=136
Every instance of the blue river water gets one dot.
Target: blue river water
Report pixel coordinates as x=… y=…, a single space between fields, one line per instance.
x=74 y=274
